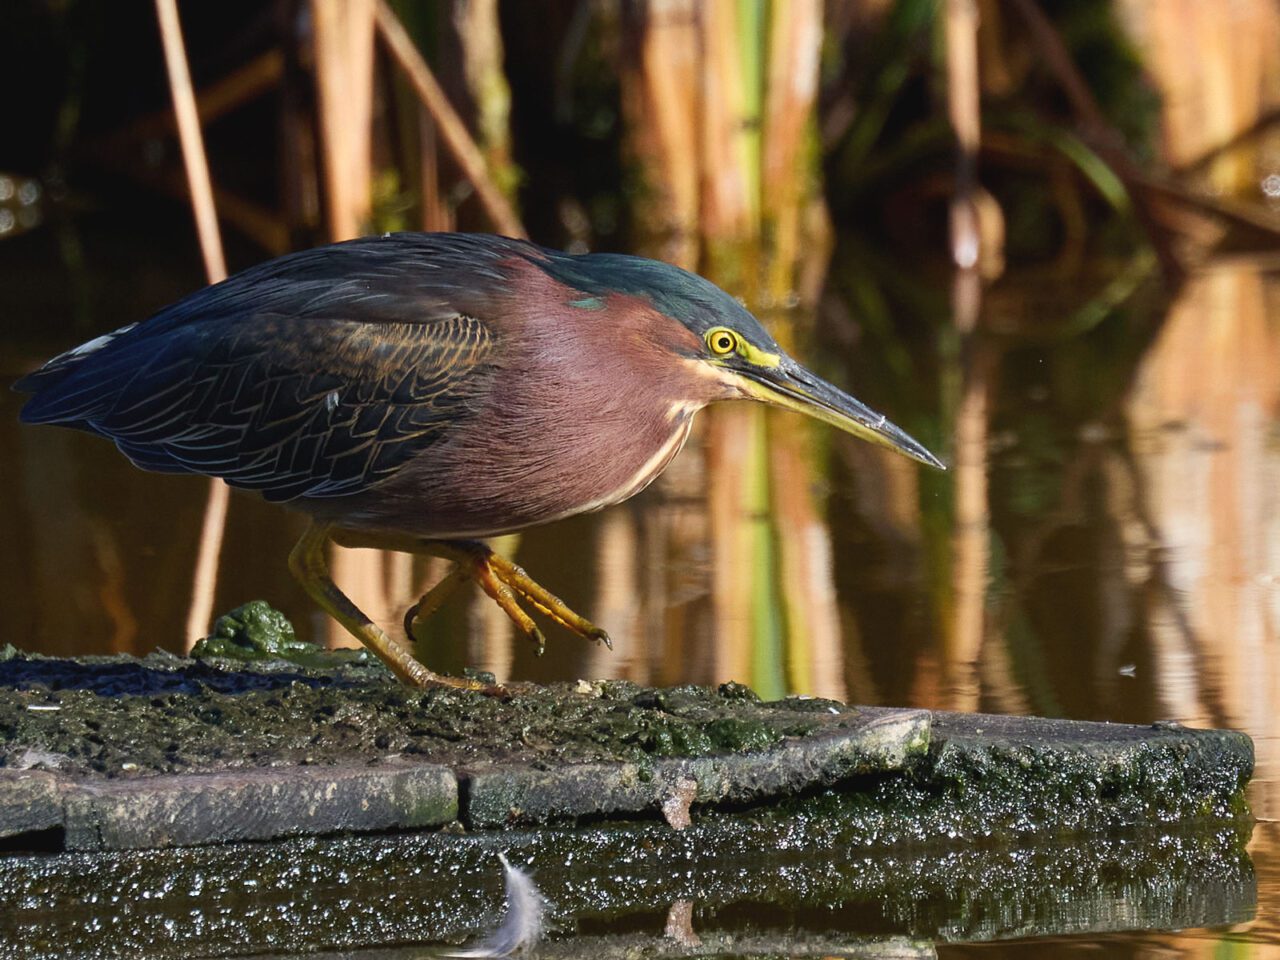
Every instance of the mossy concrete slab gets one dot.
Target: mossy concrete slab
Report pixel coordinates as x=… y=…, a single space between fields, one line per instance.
x=191 y=809
x=869 y=740
x=166 y=751
x=949 y=827
x=118 y=753
x=30 y=801
x=1018 y=775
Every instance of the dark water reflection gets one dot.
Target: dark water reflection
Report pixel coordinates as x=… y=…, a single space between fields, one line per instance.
x=1117 y=558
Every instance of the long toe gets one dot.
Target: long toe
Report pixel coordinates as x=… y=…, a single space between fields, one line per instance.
x=507 y=584
x=547 y=602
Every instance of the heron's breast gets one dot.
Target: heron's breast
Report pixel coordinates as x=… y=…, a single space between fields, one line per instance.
x=623 y=477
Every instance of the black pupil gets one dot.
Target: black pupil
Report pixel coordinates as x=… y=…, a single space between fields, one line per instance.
x=723 y=343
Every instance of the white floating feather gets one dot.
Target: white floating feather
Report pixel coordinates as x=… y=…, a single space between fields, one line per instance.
x=523 y=924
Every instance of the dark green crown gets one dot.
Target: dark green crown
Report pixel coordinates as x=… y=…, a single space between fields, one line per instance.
x=697 y=303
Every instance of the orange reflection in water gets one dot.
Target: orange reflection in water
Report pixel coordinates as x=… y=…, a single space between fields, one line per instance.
x=1204 y=413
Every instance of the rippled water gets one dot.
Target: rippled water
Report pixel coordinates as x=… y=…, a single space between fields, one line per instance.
x=1107 y=545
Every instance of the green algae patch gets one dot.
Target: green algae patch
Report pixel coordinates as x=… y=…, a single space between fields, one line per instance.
x=257 y=632
x=254 y=631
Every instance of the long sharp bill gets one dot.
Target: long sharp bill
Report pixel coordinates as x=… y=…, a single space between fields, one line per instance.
x=791 y=386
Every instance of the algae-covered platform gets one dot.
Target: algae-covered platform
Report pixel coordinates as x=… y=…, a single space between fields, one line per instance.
x=116 y=753
x=134 y=794
x=124 y=753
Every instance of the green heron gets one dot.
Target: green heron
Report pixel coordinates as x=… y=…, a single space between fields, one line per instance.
x=422 y=392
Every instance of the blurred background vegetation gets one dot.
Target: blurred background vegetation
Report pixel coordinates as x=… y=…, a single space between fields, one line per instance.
x=614 y=124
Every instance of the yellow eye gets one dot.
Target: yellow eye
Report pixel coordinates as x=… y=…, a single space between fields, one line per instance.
x=721 y=341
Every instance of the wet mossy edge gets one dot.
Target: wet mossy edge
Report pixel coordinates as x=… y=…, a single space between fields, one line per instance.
x=934 y=776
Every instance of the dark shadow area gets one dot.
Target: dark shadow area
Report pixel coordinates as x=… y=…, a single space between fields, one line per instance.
x=109 y=677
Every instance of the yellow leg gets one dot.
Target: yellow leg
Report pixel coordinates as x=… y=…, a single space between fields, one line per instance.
x=307 y=561
x=498 y=577
x=466 y=569
x=501 y=579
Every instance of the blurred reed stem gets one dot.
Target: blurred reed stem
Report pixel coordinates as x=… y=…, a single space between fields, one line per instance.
x=342 y=33
x=343 y=47
x=450 y=127
x=213 y=525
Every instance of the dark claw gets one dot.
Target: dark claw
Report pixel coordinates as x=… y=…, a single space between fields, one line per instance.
x=601 y=636
x=539 y=642
x=411 y=615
